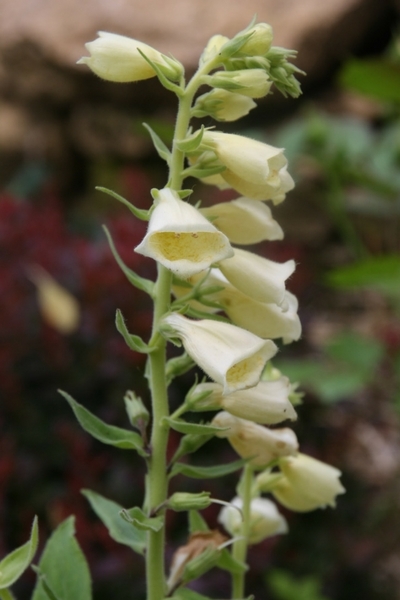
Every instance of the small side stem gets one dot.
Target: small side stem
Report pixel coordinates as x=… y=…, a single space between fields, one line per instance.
x=240 y=546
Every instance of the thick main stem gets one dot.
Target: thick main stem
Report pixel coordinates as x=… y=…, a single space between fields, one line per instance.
x=240 y=546
x=157 y=482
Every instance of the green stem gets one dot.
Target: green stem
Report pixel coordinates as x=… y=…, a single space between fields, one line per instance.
x=157 y=482
x=157 y=468
x=240 y=546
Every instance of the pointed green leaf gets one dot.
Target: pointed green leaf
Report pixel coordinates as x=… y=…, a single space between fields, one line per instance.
x=51 y=595
x=108 y=434
x=162 y=78
x=14 y=564
x=146 y=285
x=193 y=428
x=64 y=566
x=178 y=366
x=184 y=193
x=159 y=145
x=137 y=517
x=121 y=531
x=134 y=342
x=196 y=522
x=192 y=142
x=228 y=563
x=207 y=472
x=202 y=172
x=143 y=215
x=190 y=443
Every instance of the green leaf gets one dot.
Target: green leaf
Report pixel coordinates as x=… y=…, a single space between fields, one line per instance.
x=137 y=517
x=14 y=564
x=192 y=428
x=121 y=531
x=146 y=285
x=201 y=172
x=143 y=215
x=207 y=472
x=159 y=145
x=192 y=142
x=356 y=351
x=108 y=434
x=134 y=342
x=46 y=587
x=178 y=366
x=381 y=273
x=190 y=443
x=162 y=78
x=196 y=522
x=377 y=78
x=64 y=566
x=287 y=587
x=228 y=563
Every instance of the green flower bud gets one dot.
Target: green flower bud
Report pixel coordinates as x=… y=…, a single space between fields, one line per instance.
x=181 y=501
x=137 y=412
x=259 y=42
x=251 y=82
x=222 y=105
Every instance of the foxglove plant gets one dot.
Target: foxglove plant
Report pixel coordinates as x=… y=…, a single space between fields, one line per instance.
x=221 y=304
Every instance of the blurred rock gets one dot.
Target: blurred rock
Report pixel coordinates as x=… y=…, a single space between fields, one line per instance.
x=40 y=42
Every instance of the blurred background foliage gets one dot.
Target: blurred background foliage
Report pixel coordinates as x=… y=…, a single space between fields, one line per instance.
x=342 y=223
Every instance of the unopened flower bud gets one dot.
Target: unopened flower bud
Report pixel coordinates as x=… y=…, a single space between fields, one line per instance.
x=253 y=83
x=250 y=440
x=117 y=58
x=259 y=42
x=222 y=105
x=265 y=519
x=181 y=501
x=136 y=410
x=213 y=48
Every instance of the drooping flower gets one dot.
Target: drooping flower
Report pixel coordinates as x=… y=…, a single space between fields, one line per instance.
x=258 y=277
x=265 y=519
x=231 y=356
x=181 y=238
x=244 y=221
x=250 y=440
x=254 y=169
x=117 y=58
x=306 y=484
x=266 y=403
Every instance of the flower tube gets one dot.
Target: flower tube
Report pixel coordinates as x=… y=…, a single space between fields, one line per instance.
x=307 y=483
x=265 y=519
x=231 y=356
x=267 y=403
x=254 y=169
x=117 y=58
x=258 y=277
x=253 y=441
x=180 y=238
x=244 y=221
x=222 y=105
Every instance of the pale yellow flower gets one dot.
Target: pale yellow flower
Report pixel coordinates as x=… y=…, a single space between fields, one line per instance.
x=258 y=277
x=117 y=58
x=250 y=440
x=265 y=519
x=307 y=483
x=244 y=221
x=59 y=308
x=223 y=105
x=181 y=238
x=267 y=403
x=231 y=356
x=254 y=169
